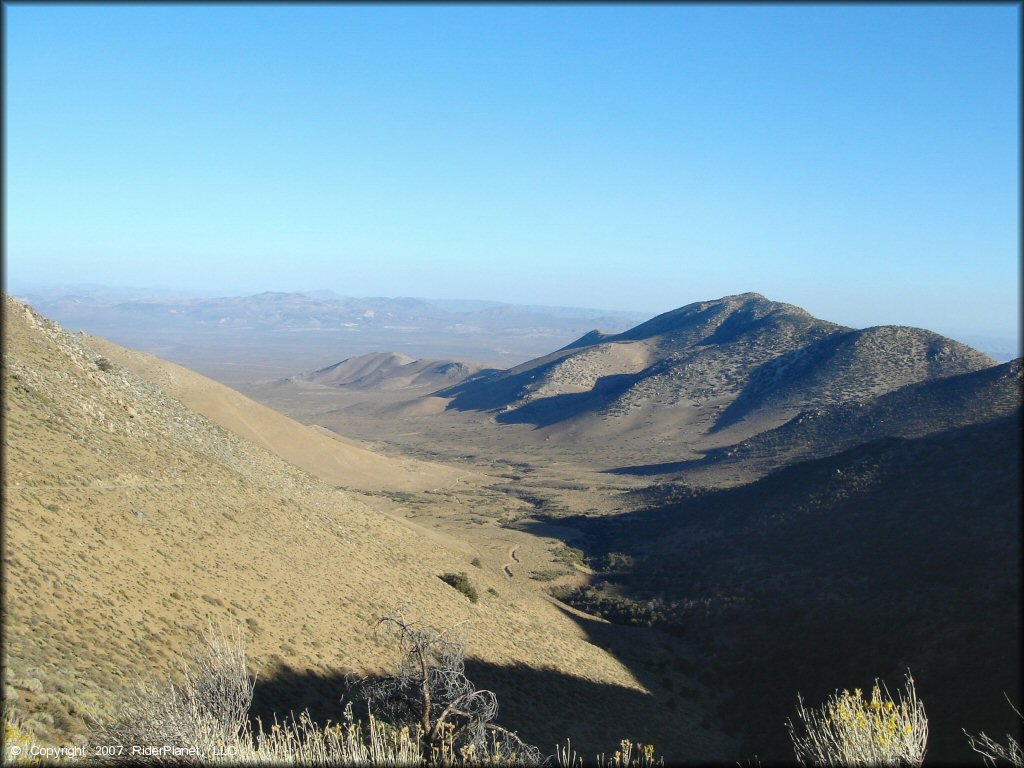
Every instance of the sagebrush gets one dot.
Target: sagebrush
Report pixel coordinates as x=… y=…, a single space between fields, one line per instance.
x=851 y=730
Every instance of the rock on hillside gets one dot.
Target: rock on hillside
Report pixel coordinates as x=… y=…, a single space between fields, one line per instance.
x=741 y=361
x=857 y=365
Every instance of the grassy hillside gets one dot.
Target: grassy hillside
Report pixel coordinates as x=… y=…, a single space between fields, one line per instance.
x=131 y=520
x=327 y=456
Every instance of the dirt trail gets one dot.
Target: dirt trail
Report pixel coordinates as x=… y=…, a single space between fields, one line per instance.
x=514 y=559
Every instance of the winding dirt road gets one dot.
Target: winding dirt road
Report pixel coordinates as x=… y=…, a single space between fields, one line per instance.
x=514 y=559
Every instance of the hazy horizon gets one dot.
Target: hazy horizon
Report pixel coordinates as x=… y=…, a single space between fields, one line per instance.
x=1001 y=346
x=860 y=162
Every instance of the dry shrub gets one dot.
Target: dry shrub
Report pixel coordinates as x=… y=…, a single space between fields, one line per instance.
x=628 y=755
x=17 y=739
x=433 y=715
x=204 y=718
x=995 y=753
x=850 y=730
x=206 y=713
x=454 y=719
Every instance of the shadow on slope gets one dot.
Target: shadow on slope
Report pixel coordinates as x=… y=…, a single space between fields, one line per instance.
x=853 y=365
x=661 y=468
x=898 y=553
x=557 y=408
x=914 y=410
x=545 y=706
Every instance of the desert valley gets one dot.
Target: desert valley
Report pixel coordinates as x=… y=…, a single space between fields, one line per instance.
x=664 y=529
x=450 y=385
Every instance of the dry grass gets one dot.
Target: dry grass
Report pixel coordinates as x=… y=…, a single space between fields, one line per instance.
x=123 y=509
x=205 y=720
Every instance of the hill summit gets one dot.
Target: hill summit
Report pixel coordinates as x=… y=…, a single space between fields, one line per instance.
x=736 y=365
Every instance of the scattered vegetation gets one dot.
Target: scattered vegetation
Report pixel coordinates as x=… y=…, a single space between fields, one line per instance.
x=431 y=693
x=461 y=582
x=572 y=556
x=995 y=753
x=16 y=740
x=618 y=608
x=427 y=713
x=627 y=756
x=403 y=497
x=476 y=562
x=851 y=730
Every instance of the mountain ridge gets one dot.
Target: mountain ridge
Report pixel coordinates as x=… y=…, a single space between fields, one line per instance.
x=742 y=362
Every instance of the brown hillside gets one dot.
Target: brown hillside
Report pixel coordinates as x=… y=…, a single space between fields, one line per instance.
x=390 y=371
x=330 y=458
x=131 y=521
x=709 y=374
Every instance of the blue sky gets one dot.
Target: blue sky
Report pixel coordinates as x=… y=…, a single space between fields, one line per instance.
x=859 y=161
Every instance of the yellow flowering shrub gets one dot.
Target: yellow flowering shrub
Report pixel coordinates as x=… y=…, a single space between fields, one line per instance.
x=850 y=729
x=16 y=741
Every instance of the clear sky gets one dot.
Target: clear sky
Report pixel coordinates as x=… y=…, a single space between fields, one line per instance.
x=859 y=161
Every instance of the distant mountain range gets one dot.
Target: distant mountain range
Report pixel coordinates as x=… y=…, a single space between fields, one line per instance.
x=717 y=371
x=319 y=310
x=272 y=334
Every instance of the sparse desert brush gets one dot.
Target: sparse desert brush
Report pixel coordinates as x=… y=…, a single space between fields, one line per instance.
x=571 y=555
x=19 y=741
x=16 y=740
x=207 y=711
x=851 y=730
x=995 y=753
x=628 y=755
x=461 y=582
x=439 y=719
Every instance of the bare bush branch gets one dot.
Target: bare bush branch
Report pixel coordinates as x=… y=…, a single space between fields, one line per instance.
x=432 y=691
x=995 y=753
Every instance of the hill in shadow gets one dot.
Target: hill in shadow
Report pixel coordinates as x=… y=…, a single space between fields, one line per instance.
x=915 y=410
x=897 y=553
